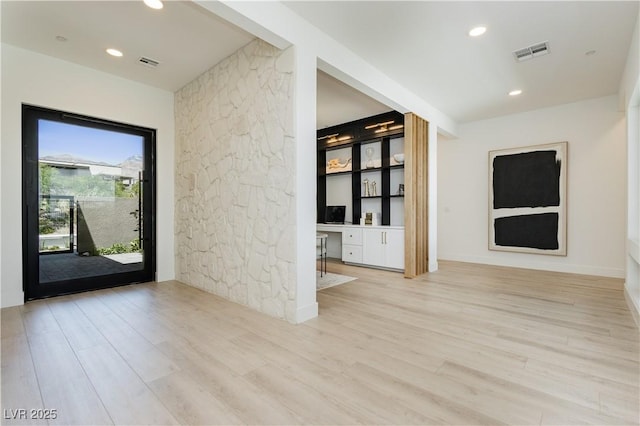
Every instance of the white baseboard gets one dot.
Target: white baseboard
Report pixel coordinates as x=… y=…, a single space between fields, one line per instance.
x=9 y=302
x=306 y=313
x=543 y=266
x=635 y=310
x=433 y=265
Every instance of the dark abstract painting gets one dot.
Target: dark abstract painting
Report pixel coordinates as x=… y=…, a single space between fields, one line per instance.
x=527 y=200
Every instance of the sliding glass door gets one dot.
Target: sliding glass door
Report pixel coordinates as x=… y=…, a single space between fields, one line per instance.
x=88 y=203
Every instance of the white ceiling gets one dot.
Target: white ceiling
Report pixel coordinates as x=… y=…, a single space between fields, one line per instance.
x=422 y=45
x=338 y=103
x=425 y=46
x=186 y=39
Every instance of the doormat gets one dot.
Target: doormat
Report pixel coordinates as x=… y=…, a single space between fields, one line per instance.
x=331 y=280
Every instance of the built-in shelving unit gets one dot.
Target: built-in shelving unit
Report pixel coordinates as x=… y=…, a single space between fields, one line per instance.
x=358 y=153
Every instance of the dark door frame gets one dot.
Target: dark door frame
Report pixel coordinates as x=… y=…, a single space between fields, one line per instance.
x=30 y=206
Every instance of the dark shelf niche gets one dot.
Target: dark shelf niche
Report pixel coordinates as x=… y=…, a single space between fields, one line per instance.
x=359 y=137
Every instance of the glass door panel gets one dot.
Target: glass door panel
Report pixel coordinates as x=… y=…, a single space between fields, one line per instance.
x=95 y=207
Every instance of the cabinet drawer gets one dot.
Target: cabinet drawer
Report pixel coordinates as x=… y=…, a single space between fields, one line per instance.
x=351 y=253
x=352 y=236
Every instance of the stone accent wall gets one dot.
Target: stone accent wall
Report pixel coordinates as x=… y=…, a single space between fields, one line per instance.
x=235 y=180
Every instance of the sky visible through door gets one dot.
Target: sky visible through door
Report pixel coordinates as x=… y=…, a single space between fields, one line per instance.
x=87 y=143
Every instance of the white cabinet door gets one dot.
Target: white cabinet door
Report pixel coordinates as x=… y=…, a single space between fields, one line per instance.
x=372 y=249
x=384 y=248
x=394 y=248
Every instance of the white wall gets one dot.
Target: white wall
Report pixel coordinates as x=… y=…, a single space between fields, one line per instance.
x=630 y=100
x=595 y=130
x=632 y=282
x=304 y=120
x=40 y=80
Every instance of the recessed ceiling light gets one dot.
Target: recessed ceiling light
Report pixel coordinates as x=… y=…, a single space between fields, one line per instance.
x=477 y=31
x=114 y=52
x=515 y=92
x=154 y=4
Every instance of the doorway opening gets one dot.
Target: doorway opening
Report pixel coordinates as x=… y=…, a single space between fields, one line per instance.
x=88 y=192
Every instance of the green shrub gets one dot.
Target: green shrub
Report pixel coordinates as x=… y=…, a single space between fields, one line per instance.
x=135 y=245
x=46 y=228
x=120 y=248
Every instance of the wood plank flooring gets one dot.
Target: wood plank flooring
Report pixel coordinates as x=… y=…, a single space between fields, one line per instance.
x=466 y=345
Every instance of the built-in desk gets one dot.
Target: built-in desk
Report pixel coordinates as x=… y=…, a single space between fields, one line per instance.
x=377 y=246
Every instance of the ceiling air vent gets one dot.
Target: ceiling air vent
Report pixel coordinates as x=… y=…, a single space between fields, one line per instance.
x=532 y=51
x=148 y=62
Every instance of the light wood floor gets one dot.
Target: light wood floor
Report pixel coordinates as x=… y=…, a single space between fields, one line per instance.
x=466 y=345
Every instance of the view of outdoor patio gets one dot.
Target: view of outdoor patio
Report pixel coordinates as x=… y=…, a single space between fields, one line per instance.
x=89 y=212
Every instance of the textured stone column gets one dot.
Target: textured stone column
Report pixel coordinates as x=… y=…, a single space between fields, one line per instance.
x=235 y=181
